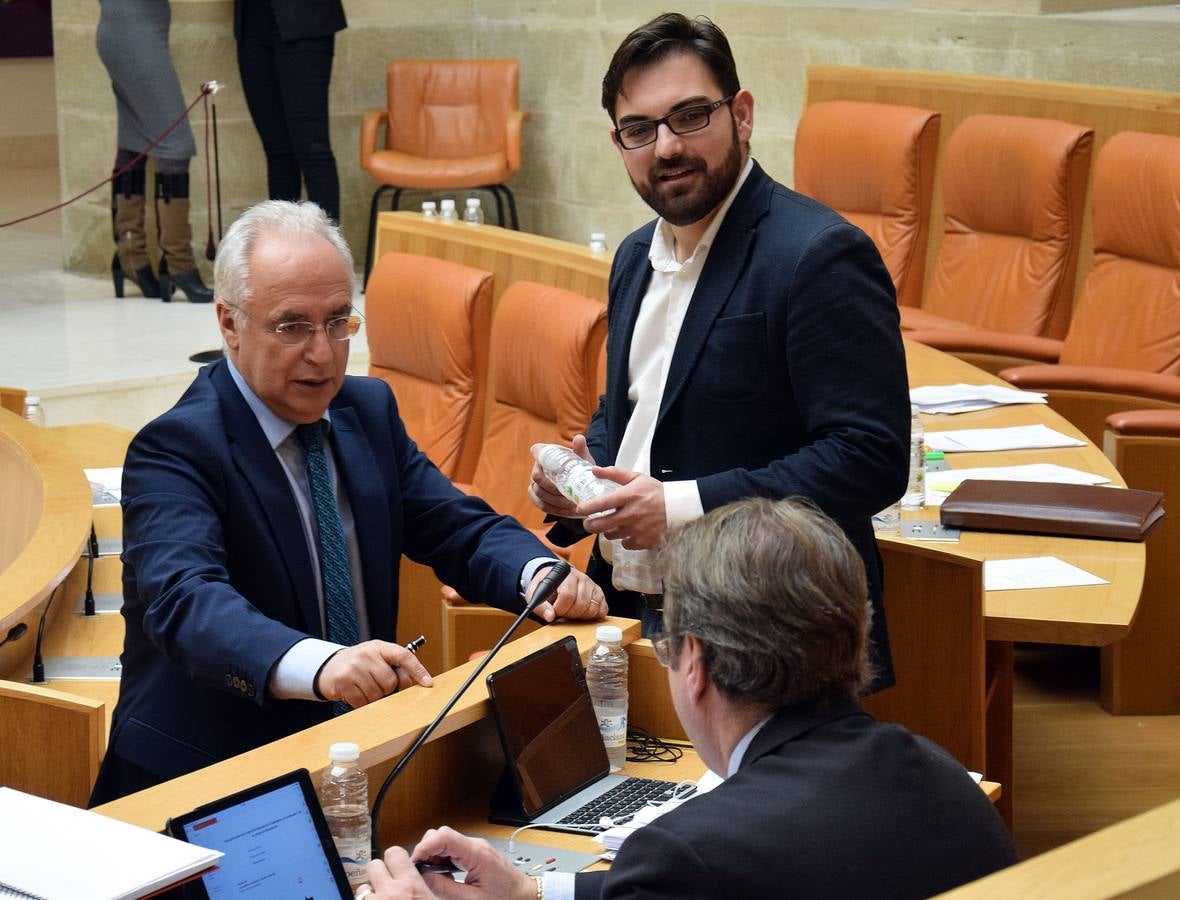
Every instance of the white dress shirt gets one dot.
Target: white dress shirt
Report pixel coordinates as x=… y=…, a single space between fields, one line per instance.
x=657 y=329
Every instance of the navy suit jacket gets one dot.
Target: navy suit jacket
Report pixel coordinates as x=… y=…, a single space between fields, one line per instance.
x=217 y=583
x=788 y=378
x=827 y=802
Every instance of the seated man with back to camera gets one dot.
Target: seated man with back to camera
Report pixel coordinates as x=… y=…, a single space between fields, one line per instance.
x=766 y=642
x=265 y=516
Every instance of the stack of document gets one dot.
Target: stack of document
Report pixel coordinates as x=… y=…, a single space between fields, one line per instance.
x=960 y=398
x=1018 y=437
x=56 y=851
x=613 y=838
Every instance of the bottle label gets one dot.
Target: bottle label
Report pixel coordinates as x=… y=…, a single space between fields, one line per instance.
x=354 y=854
x=613 y=729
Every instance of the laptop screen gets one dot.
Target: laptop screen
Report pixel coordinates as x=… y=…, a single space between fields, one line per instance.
x=547 y=725
x=276 y=843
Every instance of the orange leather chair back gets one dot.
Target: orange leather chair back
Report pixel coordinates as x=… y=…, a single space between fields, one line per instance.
x=874 y=164
x=1128 y=316
x=450 y=108
x=429 y=323
x=545 y=362
x=1014 y=195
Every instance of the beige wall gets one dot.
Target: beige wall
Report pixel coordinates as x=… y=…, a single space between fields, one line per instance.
x=571 y=183
x=28 y=126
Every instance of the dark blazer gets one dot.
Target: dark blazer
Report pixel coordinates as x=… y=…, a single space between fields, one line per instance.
x=826 y=804
x=298 y=18
x=788 y=377
x=217 y=583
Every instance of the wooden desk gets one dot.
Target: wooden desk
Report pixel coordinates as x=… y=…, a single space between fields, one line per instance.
x=45 y=523
x=509 y=255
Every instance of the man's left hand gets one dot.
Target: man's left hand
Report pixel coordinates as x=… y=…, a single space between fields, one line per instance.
x=396 y=878
x=577 y=597
x=639 y=519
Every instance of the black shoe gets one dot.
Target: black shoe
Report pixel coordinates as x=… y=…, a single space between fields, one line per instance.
x=144 y=279
x=189 y=283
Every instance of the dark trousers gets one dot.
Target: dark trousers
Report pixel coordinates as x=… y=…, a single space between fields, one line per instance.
x=286 y=87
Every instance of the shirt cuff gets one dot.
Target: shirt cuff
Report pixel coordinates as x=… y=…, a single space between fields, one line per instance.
x=529 y=572
x=559 y=885
x=682 y=502
x=293 y=677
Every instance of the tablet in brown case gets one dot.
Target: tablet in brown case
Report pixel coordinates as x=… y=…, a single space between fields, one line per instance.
x=1074 y=510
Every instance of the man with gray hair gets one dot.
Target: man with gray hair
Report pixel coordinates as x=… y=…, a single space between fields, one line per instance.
x=766 y=616
x=265 y=516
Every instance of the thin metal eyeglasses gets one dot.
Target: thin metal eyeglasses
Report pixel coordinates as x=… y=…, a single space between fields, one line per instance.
x=661 y=642
x=680 y=121
x=340 y=328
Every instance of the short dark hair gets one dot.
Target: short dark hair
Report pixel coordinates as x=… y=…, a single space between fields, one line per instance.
x=668 y=35
x=777 y=597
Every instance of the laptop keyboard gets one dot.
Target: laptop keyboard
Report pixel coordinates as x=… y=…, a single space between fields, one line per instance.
x=621 y=801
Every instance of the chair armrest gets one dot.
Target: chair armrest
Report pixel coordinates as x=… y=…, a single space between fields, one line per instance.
x=914 y=318
x=1097 y=379
x=370 y=125
x=1146 y=422
x=513 y=138
x=999 y=343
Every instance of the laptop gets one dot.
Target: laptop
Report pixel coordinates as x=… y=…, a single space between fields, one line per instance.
x=275 y=840
x=557 y=774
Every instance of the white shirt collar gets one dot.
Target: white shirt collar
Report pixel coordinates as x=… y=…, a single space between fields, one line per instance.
x=663 y=245
x=275 y=427
x=739 y=750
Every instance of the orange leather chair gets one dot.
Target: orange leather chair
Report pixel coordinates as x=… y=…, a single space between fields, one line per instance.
x=429 y=323
x=1013 y=194
x=1141 y=673
x=545 y=363
x=1123 y=347
x=874 y=164
x=451 y=124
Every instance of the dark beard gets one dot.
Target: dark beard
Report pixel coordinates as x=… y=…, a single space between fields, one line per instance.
x=684 y=209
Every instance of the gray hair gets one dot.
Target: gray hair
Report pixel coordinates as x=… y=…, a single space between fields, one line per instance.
x=777 y=596
x=231 y=271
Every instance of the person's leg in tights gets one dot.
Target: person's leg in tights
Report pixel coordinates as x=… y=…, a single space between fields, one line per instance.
x=264 y=98
x=304 y=70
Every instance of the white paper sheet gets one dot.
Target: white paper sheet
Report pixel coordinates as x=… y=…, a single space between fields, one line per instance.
x=1017 y=437
x=106 y=485
x=1034 y=572
x=959 y=398
x=940 y=484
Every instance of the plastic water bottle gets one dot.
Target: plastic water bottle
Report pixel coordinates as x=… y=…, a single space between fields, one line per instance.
x=473 y=215
x=915 y=492
x=429 y=209
x=606 y=677
x=631 y=570
x=344 y=795
x=598 y=242
x=34 y=411
x=448 y=211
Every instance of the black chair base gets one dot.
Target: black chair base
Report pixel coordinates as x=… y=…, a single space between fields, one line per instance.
x=500 y=193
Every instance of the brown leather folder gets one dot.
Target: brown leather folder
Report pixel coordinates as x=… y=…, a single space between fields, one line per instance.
x=1074 y=510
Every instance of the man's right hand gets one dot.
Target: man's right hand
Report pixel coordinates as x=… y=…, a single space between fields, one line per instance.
x=544 y=493
x=369 y=671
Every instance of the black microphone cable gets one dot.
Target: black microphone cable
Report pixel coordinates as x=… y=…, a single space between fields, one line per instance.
x=38 y=662
x=554 y=577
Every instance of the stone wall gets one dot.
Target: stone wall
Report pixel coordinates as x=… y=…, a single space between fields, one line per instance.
x=571 y=183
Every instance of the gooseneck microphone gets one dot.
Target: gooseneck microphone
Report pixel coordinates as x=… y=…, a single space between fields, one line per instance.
x=38 y=676
x=554 y=577
x=15 y=633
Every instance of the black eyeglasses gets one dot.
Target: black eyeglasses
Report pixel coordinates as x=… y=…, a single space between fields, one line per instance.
x=682 y=121
x=340 y=328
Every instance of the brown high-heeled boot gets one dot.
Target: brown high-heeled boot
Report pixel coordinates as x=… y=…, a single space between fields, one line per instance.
x=177 y=268
x=131 y=259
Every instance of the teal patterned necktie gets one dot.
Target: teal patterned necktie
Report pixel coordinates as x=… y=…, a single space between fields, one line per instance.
x=334 y=573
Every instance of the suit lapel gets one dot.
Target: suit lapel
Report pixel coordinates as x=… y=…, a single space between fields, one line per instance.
x=725 y=264
x=262 y=472
x=637 y=269
x=360 y=476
